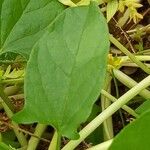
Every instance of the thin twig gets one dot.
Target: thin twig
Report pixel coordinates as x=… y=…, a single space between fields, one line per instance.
x=25 y=131
x=126 y=36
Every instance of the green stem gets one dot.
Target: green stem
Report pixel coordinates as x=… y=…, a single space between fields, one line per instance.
x=55 y=142
x=58 y=142
x=117 y=95
x=130 y=55
x=139 y=57
x=11 y=62
x=129 y=64
x=116 y=85
x=144 y=51
x=11 y=90
x=20 y=136
x=13 y=81
x=0 y=137
x=107 y=124
x=33 y=142
x=142 y=29
x=6 y=99
x=125 y=107
x=102 y=146
x=107 y=113
x=129 y=82
x=22 y=148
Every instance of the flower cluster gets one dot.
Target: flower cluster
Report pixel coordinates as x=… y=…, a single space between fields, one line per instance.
x=114 y=62
x=132 y=5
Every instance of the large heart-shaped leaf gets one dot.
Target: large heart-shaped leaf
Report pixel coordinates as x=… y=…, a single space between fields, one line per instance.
x=143 y=107
x=135 y=136
x=23 y=22
x=66 y=70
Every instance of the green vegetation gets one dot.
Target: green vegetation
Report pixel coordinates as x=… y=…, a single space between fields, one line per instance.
x=74 y=75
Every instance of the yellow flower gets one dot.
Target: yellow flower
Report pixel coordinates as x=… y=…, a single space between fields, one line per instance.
x=135 y=15
x=121 y=6
x=113 y=62
x=132 y=5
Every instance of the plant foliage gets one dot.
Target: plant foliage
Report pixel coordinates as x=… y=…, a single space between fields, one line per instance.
x=74 y=60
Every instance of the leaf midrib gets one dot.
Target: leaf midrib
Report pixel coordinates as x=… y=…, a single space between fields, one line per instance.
x=66 y=101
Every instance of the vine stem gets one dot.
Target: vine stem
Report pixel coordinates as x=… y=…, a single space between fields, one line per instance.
x=20 y=136
x=8 y=107
x=55 y=142
x=107 y=124
x=125 y=107
x=130 y=55
x=11 y=90
x=33 y=142
x=107 y=113
x=117 y=95
x=6 y=99
x=0 y=137
x=13 y=81
x=139 y=57
x=129 y=64
x=11 y=62
x=144 y=51
x=129 y=82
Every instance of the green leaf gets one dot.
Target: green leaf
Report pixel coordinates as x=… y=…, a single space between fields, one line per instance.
x=112 y=7
x=3 y=146
x=9 y=138
x=135 y=136
x=74 y=3
x=23 y=22
x=95 y=111
x=66 y=71
x=144 y=107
